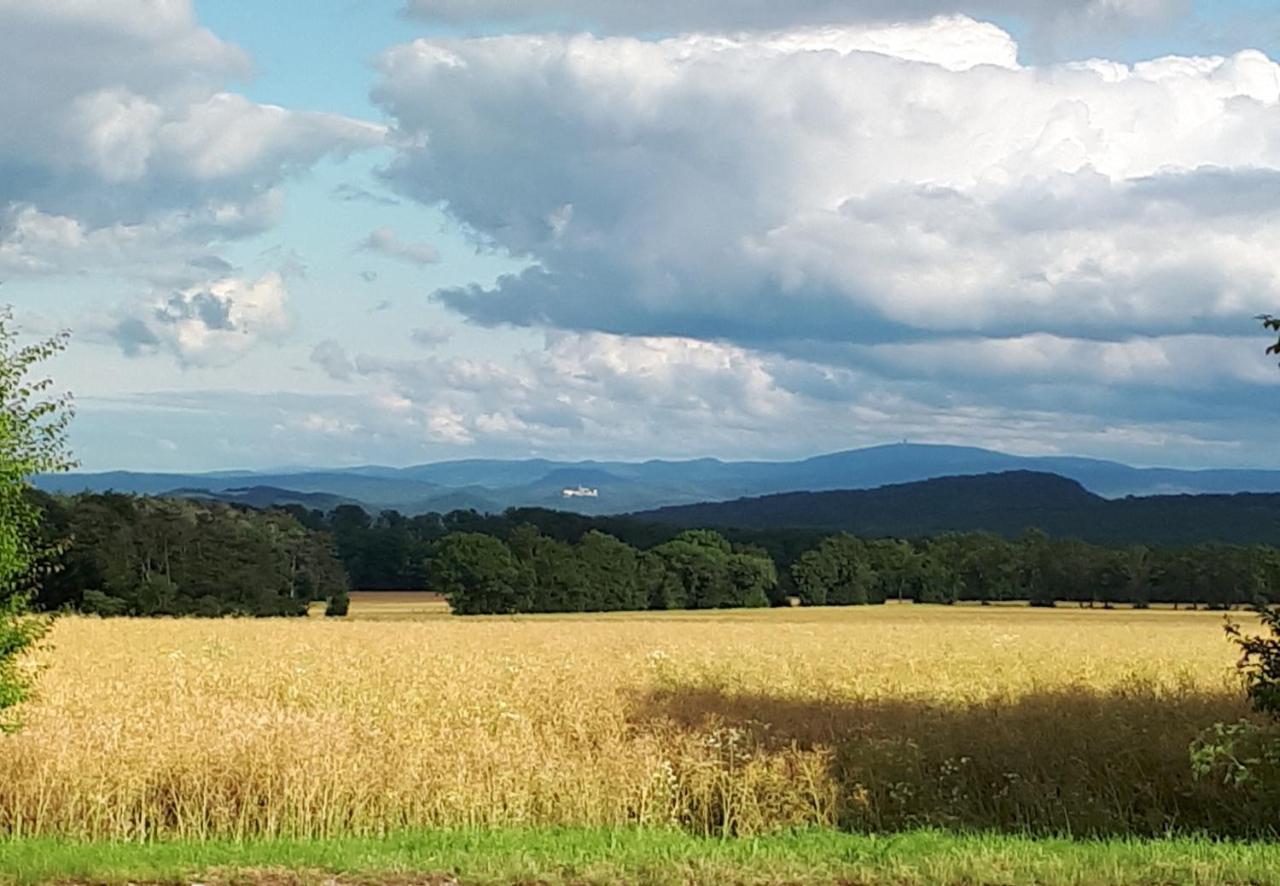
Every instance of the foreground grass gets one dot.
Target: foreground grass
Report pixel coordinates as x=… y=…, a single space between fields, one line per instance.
x=646 y=856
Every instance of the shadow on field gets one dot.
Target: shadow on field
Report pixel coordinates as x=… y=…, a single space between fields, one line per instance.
x=1070 y=762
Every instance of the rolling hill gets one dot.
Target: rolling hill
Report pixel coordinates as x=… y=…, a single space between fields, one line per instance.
x=1006 y=503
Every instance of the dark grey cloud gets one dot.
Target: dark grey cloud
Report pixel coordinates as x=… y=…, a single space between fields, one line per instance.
x=135 y=337
x=205 y=308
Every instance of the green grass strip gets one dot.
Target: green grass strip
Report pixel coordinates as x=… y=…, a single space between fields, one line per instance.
x=639 y=856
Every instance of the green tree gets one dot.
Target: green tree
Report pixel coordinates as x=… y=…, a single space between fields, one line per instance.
x=338 y=606
x=699 y=568
x=663 y=585
x=935 y=575
x=988 y=568
x=754 y=576
x=33 y=426
x=549 y=568
x=1137 y=571
x=837 y=572
x=705 y=572
x=609 y=570
x=1036 y=567
x=478 y=575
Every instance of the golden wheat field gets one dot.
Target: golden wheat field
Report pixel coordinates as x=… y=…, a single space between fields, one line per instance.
x=1065 y=721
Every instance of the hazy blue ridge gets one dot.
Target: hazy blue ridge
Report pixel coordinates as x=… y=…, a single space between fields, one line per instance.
x=494 y=484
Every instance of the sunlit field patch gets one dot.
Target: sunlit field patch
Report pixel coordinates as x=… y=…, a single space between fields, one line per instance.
x=1072 y=722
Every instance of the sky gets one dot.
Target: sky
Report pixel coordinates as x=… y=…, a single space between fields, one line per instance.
x=343 y=232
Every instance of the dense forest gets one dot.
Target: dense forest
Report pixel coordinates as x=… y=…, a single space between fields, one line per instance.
x=127 y=555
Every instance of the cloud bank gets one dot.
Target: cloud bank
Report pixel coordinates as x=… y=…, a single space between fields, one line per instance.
x=601 y=395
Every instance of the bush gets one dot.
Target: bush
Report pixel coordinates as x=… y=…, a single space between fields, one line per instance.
x=1260 y=660
x=1246 y=755
x=98 y=603
x=32 y=441
x=19 y=632
x=338 y=605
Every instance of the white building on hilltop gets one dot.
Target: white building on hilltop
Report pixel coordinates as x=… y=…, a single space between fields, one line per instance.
x=580 y=492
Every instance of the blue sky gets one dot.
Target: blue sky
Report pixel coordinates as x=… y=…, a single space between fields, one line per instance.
x=395 y=231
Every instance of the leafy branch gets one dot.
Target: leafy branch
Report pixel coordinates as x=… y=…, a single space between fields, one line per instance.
x=1272 y=324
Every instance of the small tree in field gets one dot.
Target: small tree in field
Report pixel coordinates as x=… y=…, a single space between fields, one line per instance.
x=338 y=606
x=33 y=425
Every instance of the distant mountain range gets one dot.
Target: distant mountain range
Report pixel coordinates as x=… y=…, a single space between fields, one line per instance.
x=493 y=485
x=1006 y=503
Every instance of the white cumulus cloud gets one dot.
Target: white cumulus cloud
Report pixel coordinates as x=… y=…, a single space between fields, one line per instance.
x=209 y=325
x=864 y=183
x=119 y=126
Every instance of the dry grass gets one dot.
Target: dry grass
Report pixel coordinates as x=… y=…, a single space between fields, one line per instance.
x=744 y=722
x=394 y=606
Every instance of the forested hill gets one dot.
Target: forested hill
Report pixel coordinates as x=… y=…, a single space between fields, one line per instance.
x=1005 y=503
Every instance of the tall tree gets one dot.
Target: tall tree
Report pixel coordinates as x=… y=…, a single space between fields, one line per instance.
x=33 y=427
x=836 y=573
x=478 y=575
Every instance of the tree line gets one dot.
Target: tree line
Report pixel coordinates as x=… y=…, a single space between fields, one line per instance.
x=699 y=569
x=128 y=555
x=391 y=551
x=986 y=568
